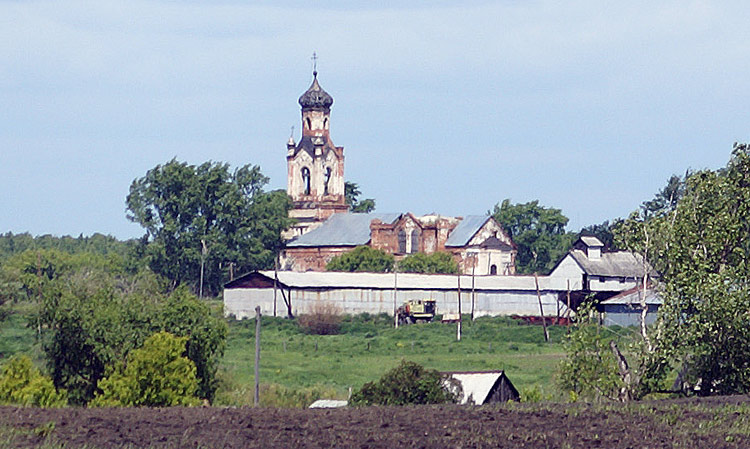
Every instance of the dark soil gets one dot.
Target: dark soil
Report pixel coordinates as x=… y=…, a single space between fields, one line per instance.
x=696 y=423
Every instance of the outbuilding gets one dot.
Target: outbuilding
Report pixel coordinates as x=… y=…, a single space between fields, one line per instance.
x=484 y=387
x=286 y=293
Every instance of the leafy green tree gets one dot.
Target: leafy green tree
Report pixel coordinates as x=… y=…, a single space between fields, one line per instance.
x=589 y=370
x=362 y=258
x=538 y=232
x=701 y=250
x=88 y=326
x=21 y=383
x=156 y=375
x=208 y=219
x=439 y=262
x=666 y=199
x=408 y=383
x=352 y=193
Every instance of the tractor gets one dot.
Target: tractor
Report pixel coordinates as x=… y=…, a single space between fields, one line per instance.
x=416 y=311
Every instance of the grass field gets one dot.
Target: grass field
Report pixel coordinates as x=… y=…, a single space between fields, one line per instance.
x=365 y=348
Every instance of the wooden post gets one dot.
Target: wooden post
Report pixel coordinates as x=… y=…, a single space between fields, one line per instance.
x=257 y=355
x=275 y=281
x=395 y=295
x=473 y=293
x=567 y=313
x=541 y=309
x=458 y=328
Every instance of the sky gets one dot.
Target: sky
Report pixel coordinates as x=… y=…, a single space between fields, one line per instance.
x=586 y=106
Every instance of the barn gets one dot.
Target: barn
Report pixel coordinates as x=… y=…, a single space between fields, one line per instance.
x=285 y=293
x=625 y=309
x=484 y=387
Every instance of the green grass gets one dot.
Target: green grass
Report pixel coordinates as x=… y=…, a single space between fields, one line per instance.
x=15 y=334
x=368 y=346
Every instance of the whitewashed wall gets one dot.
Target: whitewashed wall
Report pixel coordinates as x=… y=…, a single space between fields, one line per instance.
x=241 y=302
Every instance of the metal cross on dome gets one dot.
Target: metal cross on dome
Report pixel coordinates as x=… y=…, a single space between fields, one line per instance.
x=315 y=63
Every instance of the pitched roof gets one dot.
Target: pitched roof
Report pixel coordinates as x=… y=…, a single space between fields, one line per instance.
x=632 y=297
x=476 y=386
x=590 y=240
x=346 y=229
x=385 y=281
x=615 y=264
x=466 y=229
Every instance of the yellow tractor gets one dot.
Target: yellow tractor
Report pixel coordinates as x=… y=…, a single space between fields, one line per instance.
x=416 y=311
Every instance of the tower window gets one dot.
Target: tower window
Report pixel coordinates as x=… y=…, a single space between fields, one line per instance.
x=414 y=241
x=493 y=269
x=309 y=123
x=402 y=241
x=306 y=180
x=327 y=181
x=325 y=124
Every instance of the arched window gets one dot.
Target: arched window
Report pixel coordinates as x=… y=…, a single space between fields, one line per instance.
x=306 y=179
x=325 y=124
x=402 y=241
x=327 y=181
x=309 y=123
x=414 y=241
x=493 y=269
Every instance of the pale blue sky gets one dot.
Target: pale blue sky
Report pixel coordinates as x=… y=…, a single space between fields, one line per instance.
x=588 y=106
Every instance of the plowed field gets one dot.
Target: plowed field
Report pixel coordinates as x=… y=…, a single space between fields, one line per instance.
x=706 y=423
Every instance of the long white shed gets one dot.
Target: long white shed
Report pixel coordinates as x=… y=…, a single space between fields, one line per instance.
x=283 y=292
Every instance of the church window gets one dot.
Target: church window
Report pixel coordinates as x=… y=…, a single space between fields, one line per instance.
x=309 y=123
x=306 y=180
x=325 y=124
x=402 y=241
x=414 y=241
x=493 y=269
x=327 y=181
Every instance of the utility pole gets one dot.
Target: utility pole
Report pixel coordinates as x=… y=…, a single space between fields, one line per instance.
x=257 y=356
x=275 y=281
x=541 y=309
x=395 y=295
x=458 y=328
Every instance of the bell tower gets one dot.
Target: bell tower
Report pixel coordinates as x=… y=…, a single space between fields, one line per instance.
x=315 y=178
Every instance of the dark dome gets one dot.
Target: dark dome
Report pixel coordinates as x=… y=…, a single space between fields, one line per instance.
x=315 y=96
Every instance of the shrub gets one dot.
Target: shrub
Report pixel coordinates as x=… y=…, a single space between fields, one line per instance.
x=324 y=319
x=23 y=384
x=362 y=258
x=438 y=262
x=156 y=375
x=408 y=383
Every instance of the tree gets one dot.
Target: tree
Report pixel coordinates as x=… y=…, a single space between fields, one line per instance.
x=408 y=383
x=666 y=199
x=206 y=218
x=21 y=383
x=589 y=370
x=538 y=232
x=156 y=375
x=88 y=326
x=701 y=250
x=362 y=258
x=439 y=262
x=351 y=191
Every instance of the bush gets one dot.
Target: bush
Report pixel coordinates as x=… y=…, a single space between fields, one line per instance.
x=156 y=375
x=408 y=383
x=436 y=263
x=362 y=258
x=324 y=319
x=23 y=384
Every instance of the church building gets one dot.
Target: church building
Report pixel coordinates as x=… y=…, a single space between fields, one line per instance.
x=325 y=228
